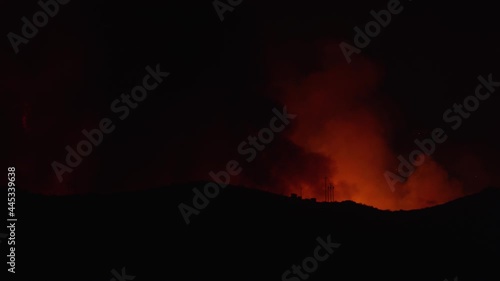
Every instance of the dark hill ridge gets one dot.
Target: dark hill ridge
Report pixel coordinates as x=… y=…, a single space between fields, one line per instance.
x=246 y=234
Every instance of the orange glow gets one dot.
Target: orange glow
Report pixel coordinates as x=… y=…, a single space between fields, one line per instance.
x=339 y=118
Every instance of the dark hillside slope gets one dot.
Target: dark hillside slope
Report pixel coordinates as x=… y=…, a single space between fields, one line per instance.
x=246 y=234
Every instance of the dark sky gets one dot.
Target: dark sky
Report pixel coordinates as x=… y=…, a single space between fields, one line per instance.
x=223 y=85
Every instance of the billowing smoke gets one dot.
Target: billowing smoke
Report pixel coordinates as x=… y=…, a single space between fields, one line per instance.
x=342 y=117
x=344 y=131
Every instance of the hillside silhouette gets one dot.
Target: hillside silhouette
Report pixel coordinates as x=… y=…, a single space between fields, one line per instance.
x=247 y=234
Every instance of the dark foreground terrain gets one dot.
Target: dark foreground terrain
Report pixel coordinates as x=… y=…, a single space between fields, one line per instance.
x=246 y=234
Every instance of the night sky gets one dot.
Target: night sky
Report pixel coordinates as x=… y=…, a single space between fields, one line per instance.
x=353 y=119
